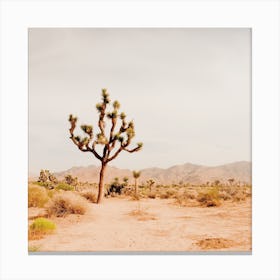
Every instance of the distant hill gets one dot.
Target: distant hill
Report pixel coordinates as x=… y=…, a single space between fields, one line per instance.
x=185 y=173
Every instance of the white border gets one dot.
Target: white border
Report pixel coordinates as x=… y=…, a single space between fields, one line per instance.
x=262 y=16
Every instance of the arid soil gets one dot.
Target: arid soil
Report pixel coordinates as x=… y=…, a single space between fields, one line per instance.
x=121 y=225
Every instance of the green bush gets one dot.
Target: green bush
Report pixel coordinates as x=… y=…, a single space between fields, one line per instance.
x=64 y=187
x=40 y=227
x=42 y=184
x=37 y=196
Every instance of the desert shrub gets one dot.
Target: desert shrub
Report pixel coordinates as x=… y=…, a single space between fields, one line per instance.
x=163 y=196
x=234 y=193
x=248 y=190
x=33 y=248
x=152 y=195
x=240 y=195
x=214 y=243
x=37 y=196
x=135 y=196
x=186 y=198
x=115 y=188
x=167 y=194
x=64 y=187
x=224 y=195
x=128 y=191
x=42 y=184
x=66 y=203
x=89 y=195
x=52 y=192
x=40 y=227
x=209 y=198
x=141 y=214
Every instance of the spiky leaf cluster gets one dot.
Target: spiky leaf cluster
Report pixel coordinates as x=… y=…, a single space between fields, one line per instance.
x=136 y=174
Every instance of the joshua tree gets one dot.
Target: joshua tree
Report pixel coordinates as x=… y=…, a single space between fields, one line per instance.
x=231 y=180
x=116 y=141
x=70 y=180
x=150 y=183
x=53 y=179
x=43 y=177
x=125 y=181
x=46 y=176
x=136 y=175
x=217 y=182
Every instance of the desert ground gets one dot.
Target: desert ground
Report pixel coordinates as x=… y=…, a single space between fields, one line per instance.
x=157 y=224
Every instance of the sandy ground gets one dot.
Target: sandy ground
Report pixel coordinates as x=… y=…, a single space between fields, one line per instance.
x=151 y=225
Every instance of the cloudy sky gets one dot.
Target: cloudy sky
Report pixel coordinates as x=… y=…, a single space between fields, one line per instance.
x=187 y=90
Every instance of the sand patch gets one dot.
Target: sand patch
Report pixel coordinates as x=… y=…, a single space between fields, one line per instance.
x=142 y=215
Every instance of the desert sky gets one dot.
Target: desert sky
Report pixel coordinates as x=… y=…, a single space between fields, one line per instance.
x=188 y=91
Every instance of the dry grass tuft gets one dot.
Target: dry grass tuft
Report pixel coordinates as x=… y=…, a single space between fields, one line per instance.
x=135 y=196
x=89 y=195
x=209 y=198
x=167 y=194
x=187 y=198
x=141 y=214
x=67 y=203
x=37 y=196
x=152 y=195
x=33 y=248
x=214 y=243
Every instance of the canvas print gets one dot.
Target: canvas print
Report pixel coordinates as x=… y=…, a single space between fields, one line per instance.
x=139 y=140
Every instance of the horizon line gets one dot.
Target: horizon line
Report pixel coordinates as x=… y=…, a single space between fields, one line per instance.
x=180 y=164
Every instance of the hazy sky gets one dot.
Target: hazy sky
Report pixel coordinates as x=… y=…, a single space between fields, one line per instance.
x=187 y=90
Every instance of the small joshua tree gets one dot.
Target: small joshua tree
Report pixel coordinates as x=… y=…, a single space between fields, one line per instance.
x=125 y=181
x=150 y=183
x=43 y=177
x=136 y=175
x=53 y=179
x=70 y=180
x=46 y=176
x=116 y=140
x=231 y=181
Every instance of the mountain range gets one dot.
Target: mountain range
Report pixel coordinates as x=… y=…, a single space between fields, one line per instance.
x=185 y=173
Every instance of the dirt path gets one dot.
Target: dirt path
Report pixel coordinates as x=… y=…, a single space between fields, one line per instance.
x=152 y=225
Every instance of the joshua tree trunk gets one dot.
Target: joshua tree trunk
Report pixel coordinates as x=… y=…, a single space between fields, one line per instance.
x=136 y=186
x=101 y=184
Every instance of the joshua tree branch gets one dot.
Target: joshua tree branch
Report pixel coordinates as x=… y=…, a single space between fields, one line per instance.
x=133 y=150
x=116 y=153
x=79 y=144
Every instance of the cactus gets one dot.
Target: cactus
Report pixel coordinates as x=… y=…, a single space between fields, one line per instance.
x=113 y=143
